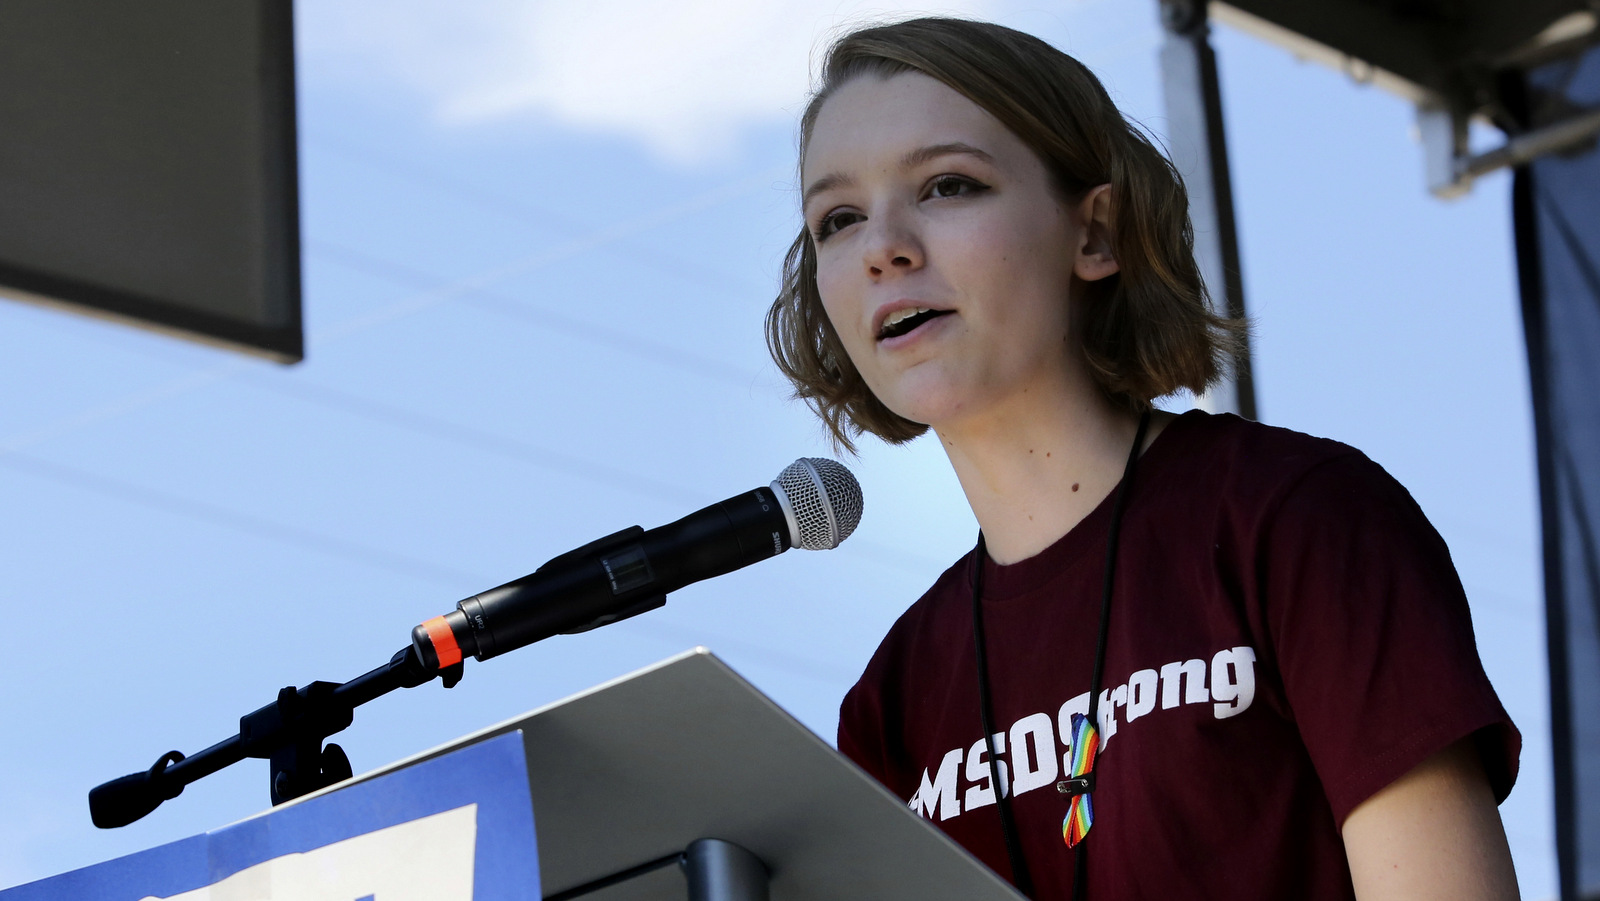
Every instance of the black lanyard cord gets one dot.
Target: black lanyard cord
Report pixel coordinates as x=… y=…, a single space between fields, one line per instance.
x=1020 y=876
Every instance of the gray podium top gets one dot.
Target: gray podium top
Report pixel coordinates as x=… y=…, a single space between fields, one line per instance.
x=636 y=769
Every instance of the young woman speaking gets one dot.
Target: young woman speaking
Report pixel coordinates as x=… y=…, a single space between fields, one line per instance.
x=1189 y=657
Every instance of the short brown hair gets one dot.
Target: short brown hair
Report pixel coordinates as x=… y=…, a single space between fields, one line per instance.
x=1147 y=331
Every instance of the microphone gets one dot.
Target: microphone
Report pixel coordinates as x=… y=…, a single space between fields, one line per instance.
x=814 y=504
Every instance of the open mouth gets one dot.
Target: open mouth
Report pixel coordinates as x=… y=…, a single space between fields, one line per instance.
x=902 y=322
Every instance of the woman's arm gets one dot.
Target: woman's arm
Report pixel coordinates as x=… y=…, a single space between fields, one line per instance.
x=1433 y=833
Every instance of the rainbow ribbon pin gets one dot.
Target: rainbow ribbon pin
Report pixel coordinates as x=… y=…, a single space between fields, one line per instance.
x=1080 y=812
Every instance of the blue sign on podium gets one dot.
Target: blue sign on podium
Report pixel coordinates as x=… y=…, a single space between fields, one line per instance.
x=455 y=828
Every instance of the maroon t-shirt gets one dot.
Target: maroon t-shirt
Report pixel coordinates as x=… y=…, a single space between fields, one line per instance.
x=1288 y=637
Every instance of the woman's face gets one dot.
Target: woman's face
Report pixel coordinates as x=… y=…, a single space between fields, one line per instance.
x=944 y=255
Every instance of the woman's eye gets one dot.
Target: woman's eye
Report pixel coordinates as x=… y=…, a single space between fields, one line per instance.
x=835 y=221
x=954 y=186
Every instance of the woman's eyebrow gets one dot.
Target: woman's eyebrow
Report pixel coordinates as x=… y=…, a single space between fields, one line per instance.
x=910 y=161
x=934 y=151
x=825 y=183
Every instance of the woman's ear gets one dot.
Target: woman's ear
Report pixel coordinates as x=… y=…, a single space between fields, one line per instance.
x=1095 y=259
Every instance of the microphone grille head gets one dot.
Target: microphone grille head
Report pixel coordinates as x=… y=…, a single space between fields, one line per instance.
x=824 y=500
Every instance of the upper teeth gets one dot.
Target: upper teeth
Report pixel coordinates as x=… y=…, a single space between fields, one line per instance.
x=899 y=316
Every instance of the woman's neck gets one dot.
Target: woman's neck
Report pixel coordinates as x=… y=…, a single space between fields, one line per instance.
x=1034 y=469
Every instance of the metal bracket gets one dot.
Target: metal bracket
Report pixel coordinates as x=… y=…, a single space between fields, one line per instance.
x=714 y=869
x=1451 y=167
x=722 y=871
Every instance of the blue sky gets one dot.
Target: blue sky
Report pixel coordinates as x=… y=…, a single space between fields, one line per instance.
x=539 y=240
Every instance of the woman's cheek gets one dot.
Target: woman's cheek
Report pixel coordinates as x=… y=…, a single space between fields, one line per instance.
x=843 y=315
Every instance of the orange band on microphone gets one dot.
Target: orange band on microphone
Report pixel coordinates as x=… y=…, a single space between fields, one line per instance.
x=444 y=642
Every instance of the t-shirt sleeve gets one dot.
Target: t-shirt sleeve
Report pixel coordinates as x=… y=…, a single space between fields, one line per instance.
x=1372 y=634
x=861 y=730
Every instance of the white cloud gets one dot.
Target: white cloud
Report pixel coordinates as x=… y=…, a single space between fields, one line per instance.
x=683 y=77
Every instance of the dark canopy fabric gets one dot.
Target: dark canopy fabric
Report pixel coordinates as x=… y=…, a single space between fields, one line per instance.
x=1557 y=208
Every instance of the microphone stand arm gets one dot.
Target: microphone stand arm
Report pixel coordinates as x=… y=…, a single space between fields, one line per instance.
x=288 y=733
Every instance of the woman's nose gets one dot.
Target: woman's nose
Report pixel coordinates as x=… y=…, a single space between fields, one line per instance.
x=894 y=247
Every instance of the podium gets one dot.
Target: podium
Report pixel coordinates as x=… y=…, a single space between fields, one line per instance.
x=682 y=781
x=633 y=771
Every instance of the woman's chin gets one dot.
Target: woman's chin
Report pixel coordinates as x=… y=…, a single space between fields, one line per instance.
x=930 y=409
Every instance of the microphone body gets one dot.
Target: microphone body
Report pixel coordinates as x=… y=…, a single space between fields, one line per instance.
x=814 y=504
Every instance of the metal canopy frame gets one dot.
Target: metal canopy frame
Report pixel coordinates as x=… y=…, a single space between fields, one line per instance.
x=1456 y=60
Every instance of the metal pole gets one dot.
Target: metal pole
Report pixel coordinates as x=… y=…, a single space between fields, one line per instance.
x=1194 y=133
x=722 y=871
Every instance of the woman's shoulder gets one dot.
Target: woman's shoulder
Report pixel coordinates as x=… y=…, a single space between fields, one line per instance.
x=1265 y=487
x=1247 y=480
x=940 y=609
x=939 y=621
x=1227 y=436
x=932 y=629
x=1250 y=462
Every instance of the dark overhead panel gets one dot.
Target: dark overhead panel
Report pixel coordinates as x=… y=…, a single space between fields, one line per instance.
x=148 y=165
x=1455 y=59
x=1432 y=44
